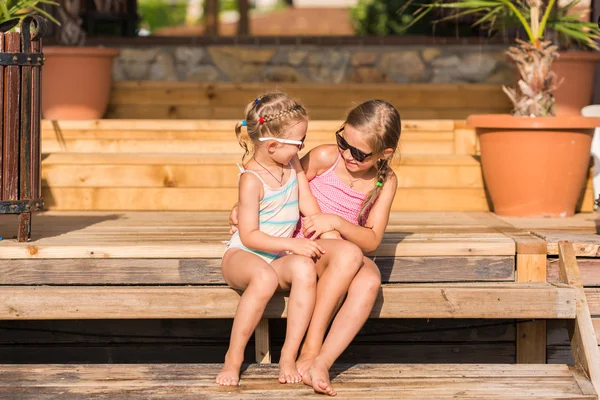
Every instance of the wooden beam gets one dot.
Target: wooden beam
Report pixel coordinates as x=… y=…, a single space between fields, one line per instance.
x=262 y=342
x=493 y=301
x=581 y=331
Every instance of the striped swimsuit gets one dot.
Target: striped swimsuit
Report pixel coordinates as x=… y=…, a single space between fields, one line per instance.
x=334 y=197
x=278 y=214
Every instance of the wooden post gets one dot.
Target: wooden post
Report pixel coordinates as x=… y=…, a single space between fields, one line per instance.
x=211 y=17
x=12 y=78
x=20 y=153
x=531 y=336
x=581 y=330
x=262 y=342
x=244 y=23
x=531 y=267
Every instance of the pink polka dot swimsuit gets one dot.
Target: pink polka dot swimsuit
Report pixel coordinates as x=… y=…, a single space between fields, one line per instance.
x=334 y=197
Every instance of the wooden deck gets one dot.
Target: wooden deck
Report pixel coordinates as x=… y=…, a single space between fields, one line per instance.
x=358 y=381
x=118 y=270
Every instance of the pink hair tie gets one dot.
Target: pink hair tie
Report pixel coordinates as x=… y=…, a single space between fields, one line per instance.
x=261 y=120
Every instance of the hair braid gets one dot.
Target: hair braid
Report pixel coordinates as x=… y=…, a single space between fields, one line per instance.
x=267 y=115
x=383 y=171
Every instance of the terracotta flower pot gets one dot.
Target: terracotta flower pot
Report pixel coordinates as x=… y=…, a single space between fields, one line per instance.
x=534 y=166
x=77 y=82
x=577 y=69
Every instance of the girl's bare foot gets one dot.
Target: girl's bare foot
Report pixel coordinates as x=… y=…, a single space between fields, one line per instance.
x=230 y=374
x=318 y=377
x=288 y=372
x=304 y=362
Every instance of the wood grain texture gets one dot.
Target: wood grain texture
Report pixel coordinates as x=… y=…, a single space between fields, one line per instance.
x=173 y=271
x=359 y=381
x=12 y=86
x=489 y=300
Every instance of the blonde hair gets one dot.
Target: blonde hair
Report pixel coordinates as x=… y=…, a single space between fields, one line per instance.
x=381 y=123
x=268 y=116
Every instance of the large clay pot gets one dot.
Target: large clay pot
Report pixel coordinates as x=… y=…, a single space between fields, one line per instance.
x=77 y=82
x=534 y=166
x=577 y=69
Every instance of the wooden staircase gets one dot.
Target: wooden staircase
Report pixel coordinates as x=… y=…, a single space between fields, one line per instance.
x=158 y=165
x=134 y=234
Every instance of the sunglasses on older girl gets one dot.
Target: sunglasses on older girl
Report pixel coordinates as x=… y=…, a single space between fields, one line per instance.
x=357 y=154
x=299 y=143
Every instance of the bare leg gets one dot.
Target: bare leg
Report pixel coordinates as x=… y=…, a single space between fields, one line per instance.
x=336 y=269
x=349 y=320
x=300 y=274
x=245 y=271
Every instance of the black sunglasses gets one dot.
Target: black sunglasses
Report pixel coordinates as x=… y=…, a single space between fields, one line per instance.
x=357 y=154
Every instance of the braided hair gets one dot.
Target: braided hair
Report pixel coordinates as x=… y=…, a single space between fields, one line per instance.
x=268 y=116
x=381 y=123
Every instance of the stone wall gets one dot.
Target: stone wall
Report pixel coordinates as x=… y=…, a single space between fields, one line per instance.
x=317 y=64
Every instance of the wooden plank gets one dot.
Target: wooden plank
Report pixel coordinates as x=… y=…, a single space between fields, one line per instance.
x=262 y=342
x=586 y=244
x=531 y=336
x=226 y=144
x=151 y=171
x=208 y=270
x=10 y=188
x=199 y=126
x=584 y=343
x=593 y=300
x=494 y=301
x=220 y=159
x=2 y=42
x=186 y=381
x=111 y=245
x=185 y=199
x=176 y=112
x=222 y=199
x=25 y=137
x=588 y=268
x=36 y=148
x=311 y=95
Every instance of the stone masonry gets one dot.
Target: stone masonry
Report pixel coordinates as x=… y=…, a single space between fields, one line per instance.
x=316 y=64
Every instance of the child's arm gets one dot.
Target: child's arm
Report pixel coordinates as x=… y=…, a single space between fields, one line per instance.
x=366 y=237
x=306 y=201
x=315 y=162
x=250 y=193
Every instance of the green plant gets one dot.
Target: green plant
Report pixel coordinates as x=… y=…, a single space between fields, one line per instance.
x=157 y=14
x=534 y=56
x=13 y=11
x=398 y=17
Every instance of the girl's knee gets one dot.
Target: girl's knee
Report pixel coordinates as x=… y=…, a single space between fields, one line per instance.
x=266 y=279
x=304 y=271
x=349 y=255
x=368 y=279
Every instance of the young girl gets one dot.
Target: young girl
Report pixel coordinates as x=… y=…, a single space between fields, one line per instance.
x=262 y=256
x=354 y=187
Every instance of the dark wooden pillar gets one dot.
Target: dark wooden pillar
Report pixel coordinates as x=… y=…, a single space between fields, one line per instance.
x=244 y=23
x=595 y=16
x=211 y=17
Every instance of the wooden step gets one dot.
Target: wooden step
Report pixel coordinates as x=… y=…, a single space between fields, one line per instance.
x=218 y=137
x=447 y=300
x=356 y=381
x=218 y=100
x=185 y=182
x=220 y=171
